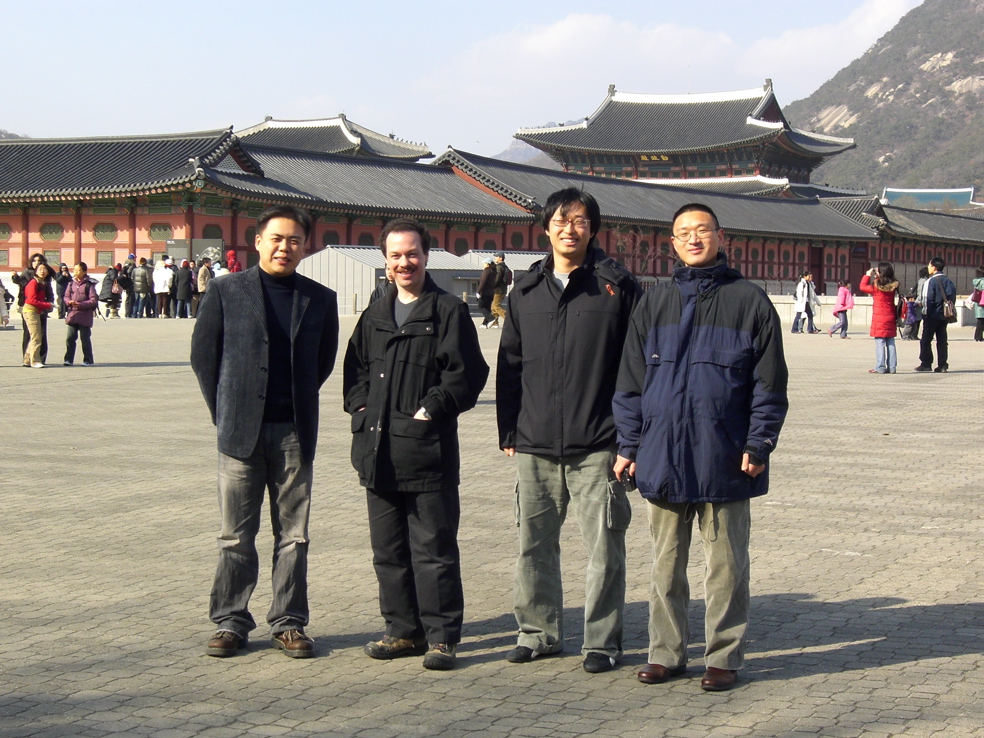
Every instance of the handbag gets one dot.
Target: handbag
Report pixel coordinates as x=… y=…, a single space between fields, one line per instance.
x=949 y=312
x=116 y=289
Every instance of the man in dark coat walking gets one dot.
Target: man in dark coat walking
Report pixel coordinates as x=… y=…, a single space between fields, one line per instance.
x=264 y=343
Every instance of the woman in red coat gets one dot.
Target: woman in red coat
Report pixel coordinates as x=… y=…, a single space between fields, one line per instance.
x=36 y=304
x=881 y=284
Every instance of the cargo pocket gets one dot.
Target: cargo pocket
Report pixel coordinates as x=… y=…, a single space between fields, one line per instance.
x=619 y=509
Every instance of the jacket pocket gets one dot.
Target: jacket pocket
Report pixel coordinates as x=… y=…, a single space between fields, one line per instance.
x=719 y=382
x=415 y=448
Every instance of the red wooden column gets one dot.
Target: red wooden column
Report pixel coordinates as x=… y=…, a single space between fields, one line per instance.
x=25 y=234
x=77 y=250
x=132 y=225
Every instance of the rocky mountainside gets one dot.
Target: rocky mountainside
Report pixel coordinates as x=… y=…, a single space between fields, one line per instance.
x=8 y=134
x=912 y=103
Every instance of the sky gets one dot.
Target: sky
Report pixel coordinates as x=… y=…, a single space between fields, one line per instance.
x=463 y=74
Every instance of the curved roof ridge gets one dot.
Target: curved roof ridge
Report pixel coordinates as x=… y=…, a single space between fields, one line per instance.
x=217 y=134
x=690 y=97
x=822 y=136
x=561 y=127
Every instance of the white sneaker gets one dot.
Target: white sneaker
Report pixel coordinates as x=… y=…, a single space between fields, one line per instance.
x=88 y=363
x=37 y=365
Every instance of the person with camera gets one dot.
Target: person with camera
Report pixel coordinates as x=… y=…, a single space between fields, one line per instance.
x=881 y=284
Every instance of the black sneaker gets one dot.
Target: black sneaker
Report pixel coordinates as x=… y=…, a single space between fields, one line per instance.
x=521 y=655
x=440 y=657
x=597 y=663
x=923 y=368
x=393 y=648
x=942 y=369
x=225 y=643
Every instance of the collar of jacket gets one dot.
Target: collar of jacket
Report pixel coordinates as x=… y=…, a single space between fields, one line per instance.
x=595 y=260
x=382 y=309
x=706 y=277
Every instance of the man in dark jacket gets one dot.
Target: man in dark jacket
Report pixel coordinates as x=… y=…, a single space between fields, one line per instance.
x=934 y=291
x=264 y=343
x=412 y=367
x=143 y=288
x=557 y=363
x=701 y=398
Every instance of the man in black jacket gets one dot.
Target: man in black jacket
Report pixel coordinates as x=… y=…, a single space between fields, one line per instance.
x=264 y=343
x=558 y=360
x=412 y=367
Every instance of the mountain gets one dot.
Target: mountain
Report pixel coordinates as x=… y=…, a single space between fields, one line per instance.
x=521 y=152
x=8 y=134
x=911 y=102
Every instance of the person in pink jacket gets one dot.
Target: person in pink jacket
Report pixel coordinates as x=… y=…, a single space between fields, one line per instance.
x=881 y=284
x=845 y=301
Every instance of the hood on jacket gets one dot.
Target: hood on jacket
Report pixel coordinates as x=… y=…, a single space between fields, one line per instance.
x=890 y=287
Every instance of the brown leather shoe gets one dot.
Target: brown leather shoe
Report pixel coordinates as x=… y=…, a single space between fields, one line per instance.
x=718 y=680
x=224 y=643
x=657 y=673
x=294 y=644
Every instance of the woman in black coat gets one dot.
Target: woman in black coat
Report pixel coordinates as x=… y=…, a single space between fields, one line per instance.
x=183 y=288
x=106 y=294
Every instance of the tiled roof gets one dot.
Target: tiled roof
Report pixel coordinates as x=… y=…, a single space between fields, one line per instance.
x=637 y=202
x=932 y=225
x=361 y=184
x=330 y=136
x=57 y=168
x=865 y=209
x=824 y=191
x=675 y=124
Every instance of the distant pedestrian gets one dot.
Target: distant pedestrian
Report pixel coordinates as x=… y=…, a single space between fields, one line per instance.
x=806 y=299
x=37 y=305
x=22 y=280
x=143 y=290
x=232 y=263
x=979 y=307
x=205 y=275
x=163 y=278
x=503 y=278
x=936 y=290
x=62 y=280
x=845 y=301
x=182 y=287
x=110 y=292
x=486 y=293
x=881 y=284
x=82 y=300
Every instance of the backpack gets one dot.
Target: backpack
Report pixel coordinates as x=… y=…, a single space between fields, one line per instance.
x=507 y=275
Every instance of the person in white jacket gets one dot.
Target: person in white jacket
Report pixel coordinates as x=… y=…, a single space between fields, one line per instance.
x=806 y=298
x=163 y=279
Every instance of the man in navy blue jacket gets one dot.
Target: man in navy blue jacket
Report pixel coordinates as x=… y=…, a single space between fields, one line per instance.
x=699 y=402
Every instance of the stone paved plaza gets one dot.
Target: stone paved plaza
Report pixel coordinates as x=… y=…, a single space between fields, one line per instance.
x=867 y=607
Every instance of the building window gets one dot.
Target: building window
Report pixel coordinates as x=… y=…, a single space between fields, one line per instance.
x=104 y=232
x=737 y=254
x=251 y=237
x=830 y=258
x=212 y=231
x=52 y=232
x=104 y=258
x=161 y=232
x=517 y=241
x=52 y=256
x=329 y=238
x=366 y=239
x=542 y=242
x=461 y=245
x=770 y=255
x=785 y=256
x=3 y=258
x=755 y=254
x=4 y=232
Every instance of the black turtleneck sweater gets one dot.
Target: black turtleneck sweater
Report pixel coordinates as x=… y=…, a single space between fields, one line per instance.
x=278 y=300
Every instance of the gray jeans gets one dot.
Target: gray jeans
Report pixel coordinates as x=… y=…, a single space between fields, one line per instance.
x=275 y=466
x=724 y=528
x=545 y=488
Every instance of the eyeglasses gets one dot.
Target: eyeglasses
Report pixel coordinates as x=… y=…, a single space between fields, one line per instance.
x=579 y=224
x=702 y=233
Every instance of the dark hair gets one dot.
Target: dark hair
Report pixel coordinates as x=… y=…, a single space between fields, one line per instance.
x=85 y=267
x=886 y=274
x=142 y=261
x=980 y=272
x=284 y=211
x=405 y=225
x=696 y=207
x=805 y=273
x=923 y=273
x=38 y=256
x=563 y=201
x=844 y=283
x=937 y=261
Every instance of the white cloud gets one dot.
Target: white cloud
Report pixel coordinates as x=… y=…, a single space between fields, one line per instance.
x=800 y=60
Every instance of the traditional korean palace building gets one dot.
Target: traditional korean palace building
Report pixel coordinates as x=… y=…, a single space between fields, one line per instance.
x=682 y=137
x=99 y=199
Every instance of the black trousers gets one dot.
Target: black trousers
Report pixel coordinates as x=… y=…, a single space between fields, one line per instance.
x=74 y=331
x=933 y=328
x=414 y=539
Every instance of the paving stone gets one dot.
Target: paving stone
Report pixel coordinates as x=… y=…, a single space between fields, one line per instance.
x=866 y=614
